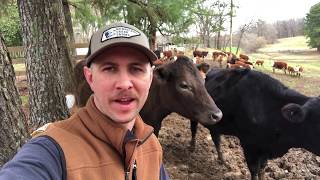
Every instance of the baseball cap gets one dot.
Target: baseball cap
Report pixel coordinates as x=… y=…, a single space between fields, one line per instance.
x=118 y=34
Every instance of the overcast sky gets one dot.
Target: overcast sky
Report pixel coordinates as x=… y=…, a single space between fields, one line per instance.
x=271 y=10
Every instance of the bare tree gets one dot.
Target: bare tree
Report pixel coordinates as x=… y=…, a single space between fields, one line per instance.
x=13 y=128
x=243 y=29
x=231 y=17
x=46 y=56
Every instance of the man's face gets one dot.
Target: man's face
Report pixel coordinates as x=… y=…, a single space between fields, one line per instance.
x=120 y=79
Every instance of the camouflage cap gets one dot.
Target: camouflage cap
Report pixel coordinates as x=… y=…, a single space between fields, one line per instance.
x=118 y=34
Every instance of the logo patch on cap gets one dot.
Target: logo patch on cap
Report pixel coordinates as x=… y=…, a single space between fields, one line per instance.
x=117 y=32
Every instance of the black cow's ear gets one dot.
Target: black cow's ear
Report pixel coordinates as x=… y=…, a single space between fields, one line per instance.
x=293 y=113
x=162 y=73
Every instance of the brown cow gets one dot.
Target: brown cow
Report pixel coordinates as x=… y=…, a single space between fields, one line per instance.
x=279 y=65
x=218 y=56
x=295 y=71
x=290 y=70
x=234 y=66
x=299 y=70
x=244 y=64
x=203 y=69
x=198 y=53
x=259 y=62
x=245 y=57
x=176 y=87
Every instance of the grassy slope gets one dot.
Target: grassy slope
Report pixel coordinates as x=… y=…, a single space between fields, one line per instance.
x=294 y=51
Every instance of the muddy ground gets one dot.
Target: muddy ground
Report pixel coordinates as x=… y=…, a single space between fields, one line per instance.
x=202 y=164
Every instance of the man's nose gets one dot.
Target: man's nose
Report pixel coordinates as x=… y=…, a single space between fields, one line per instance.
x=124 y=81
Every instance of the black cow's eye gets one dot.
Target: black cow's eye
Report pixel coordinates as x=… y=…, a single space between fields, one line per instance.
x=185 y=86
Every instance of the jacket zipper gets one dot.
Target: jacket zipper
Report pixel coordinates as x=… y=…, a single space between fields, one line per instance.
x=134 y=172
x=127 y=173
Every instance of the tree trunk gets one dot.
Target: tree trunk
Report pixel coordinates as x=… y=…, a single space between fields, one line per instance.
x=238 y=46
x=153 y=37
x=70 y=34
x=13 y=126
x=66 y=38
x=231 y=16
x=318 y=49
x=46 y=56
x=218 y=40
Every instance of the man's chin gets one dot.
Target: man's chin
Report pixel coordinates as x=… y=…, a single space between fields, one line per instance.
x=124 y=120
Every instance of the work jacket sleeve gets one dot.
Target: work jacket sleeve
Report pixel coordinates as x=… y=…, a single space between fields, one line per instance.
x=38 y=159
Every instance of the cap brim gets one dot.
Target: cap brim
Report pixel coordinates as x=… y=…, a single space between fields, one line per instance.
x=151 y=55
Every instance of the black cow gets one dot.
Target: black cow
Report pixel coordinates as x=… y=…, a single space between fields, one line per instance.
x=176 y=87
x=267 y=117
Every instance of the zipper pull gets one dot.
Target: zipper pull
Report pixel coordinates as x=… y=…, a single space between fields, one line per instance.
x=134 y=172
x=126 y=175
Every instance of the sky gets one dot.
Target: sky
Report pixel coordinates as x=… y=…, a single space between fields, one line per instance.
x=271 y=10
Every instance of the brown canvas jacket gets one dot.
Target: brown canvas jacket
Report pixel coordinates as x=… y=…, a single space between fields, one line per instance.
x=96 y=148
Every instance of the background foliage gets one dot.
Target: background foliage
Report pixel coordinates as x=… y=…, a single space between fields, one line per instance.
x=10 y=25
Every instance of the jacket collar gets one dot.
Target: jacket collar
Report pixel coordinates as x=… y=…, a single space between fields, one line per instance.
x=112 y=133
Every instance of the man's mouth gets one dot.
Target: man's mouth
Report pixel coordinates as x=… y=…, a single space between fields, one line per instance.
x=124 y=101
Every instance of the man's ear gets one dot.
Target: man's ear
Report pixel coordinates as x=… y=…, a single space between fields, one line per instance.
x=88 y=75
x=293 y=113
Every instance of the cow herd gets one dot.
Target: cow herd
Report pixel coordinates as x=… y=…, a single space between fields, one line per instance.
x=267 y=117
x=293 y=71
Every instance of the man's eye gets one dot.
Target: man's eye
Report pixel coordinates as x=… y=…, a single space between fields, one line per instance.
x=137 y=69
x=110 y=69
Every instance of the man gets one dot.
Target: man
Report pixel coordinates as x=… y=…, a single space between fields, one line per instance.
x=106 y=139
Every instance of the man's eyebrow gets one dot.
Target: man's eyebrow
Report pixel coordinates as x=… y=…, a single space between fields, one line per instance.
x=139 y=63
x=104 y=63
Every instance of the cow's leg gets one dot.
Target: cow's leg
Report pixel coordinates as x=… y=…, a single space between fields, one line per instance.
x=193 y=127
x=256 y=163
x=216 y=138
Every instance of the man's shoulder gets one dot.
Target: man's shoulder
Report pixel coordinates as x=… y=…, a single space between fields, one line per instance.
x=39 y=158
x=64 y=124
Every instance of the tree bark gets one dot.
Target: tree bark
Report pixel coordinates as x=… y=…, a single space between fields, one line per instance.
x=66 y=39
x=46 y=56
x=13 y=126
x=153 y=37
x=69 y=28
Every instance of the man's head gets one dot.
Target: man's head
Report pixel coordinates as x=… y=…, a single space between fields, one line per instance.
x=119 y=34
x=119 y=71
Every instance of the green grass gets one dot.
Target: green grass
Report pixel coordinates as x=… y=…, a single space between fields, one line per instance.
x=287 y=44
x=19 y=67
x=24 y=100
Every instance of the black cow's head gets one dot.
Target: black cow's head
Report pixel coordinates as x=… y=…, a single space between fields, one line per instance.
x=307 y=118
x=296 y=113
x=182 y=90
